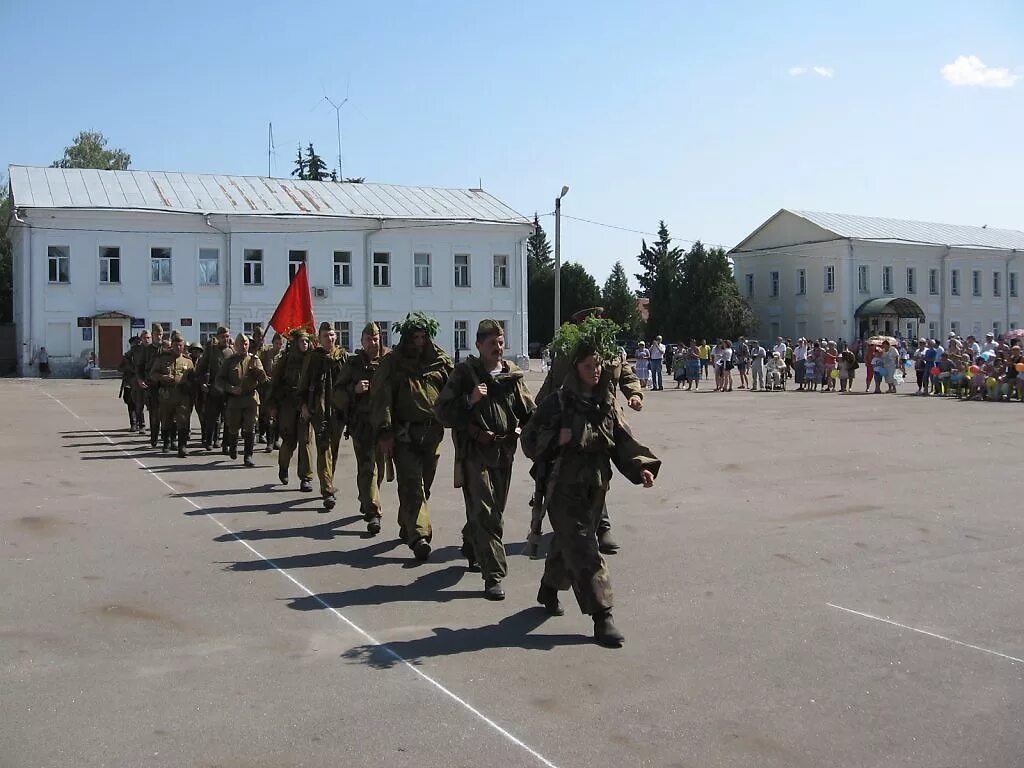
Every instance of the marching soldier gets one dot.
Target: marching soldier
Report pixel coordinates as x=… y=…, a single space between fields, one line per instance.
x=581 y=433
x=353 y=388
x=316 y=386
x=128 y=386
x=172 y=371
x=195 y=353
x=239 y=379
x=147 y=390
x=139 y=393
x=217 y=351
x=403 y=398
x=266 y=427
x=286 y=409
x=486 y=403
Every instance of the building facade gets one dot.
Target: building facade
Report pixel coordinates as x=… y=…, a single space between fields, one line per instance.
x=98 y=255
x=818 y=274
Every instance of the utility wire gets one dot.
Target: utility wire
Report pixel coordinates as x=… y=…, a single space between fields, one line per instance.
x=634 y=231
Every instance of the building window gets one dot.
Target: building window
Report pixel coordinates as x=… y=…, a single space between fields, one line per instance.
x=207 y=331
x=110 y=265
x=382 y=273
x=933 y=330
x=385 y=336
x=933 y=282
x=209 y=266
x=461 y=271
x=997 y=284
x=160 y=265
x=252 y=266
x=343 y=329
x=954 y=282
x=801 y=283
x=500 y=271
x=775 y=284
x=954 y=326
x=295 y=260
x=750 y=284
x=166 y=325
x=976 y=282
x=342 y=268
x=461 y=334
x=911 y=280
x=1013 y=284
x=830 y=279
x=247 y=328
x=863 y=283
x=997 y=328
x=887 y=280
x=421 y=270
x=58 y=258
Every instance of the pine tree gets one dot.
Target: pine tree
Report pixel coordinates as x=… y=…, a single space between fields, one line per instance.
x=300 y=166
x=619 y=300
x=538 y=249
x=540 y=278
x=316 y=168
x=660 y=283
x=710 y=301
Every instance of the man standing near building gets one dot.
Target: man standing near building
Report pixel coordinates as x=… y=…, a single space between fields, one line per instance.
x=148 y=390
x=354 y=386
x=267 y=427
x=217 y=351
x=705 y=357
x=486 y=403
x=408 y=384
x=172 y=373
x=286 y=410
x=239 y=379
x=319 y=407
x=990 y=345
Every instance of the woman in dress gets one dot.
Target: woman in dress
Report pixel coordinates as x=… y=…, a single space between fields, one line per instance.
x=643 y=364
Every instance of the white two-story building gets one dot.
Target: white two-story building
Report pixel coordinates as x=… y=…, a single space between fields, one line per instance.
x=822 y=274
x=99 y=255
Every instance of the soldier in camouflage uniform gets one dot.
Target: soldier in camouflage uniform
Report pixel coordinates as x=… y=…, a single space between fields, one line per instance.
x=127 y=369
x=404 y=394
x=239 y=380
x=485 y=403
x=286 y=409
x=147 y=392
x=621 y=377
x=217 y=351
x=266 y=426
x=173 y=372
x=321 y=372
x=352 y=391
x=579 y=430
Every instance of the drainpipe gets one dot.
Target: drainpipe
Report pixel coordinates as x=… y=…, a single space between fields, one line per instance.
x=524 y=342
x=1010 y=257
x=26 y=345
x=368 y=268
x=942 y=294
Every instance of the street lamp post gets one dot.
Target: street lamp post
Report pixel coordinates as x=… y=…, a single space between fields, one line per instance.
x=558 y=256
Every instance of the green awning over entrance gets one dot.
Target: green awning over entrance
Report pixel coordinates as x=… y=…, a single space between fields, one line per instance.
x=891 y=306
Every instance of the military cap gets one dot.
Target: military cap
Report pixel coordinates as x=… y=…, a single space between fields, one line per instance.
x=240 y=338
x=156 y=328
x=221 y=329
x=325 y=326
x=488 y=328
x=196 y=346
x=298 y=333
x=371 y=329
x=175 y=336
x=583 y=314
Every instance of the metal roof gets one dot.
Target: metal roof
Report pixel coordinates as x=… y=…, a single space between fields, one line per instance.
x=76 y=188
x=900 y=307
x=899 y=230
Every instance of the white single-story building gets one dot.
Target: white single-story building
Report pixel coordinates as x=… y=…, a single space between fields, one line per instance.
x=98 y=255
x=838 y=276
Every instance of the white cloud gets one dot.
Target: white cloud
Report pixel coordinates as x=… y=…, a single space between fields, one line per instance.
x=819 y=71
x=970 y=70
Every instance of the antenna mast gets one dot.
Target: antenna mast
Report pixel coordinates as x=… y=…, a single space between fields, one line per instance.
x=270 y=148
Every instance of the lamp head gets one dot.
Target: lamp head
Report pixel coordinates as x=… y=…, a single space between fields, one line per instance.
x=565 y=191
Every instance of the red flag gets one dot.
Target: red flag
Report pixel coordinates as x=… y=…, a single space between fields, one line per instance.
x=296 y=307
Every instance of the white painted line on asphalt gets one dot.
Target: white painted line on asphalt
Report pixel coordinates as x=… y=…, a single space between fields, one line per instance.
x=347 y=621
x=926 y=632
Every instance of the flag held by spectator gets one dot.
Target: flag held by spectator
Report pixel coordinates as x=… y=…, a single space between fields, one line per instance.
x=296 y=307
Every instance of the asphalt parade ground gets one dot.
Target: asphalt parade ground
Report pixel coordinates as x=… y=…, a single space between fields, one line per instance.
x=814 y=580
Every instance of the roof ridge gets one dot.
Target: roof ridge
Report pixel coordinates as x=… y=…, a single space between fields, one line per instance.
x=802 y=211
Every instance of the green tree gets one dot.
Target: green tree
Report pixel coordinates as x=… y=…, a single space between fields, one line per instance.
x=89 y=150
x=316 y=168
x=355 y=180
x=300 y=166
x=619 y=300
x=660 y=283
x=579 y=290
x=540 y=281
x=710 y=303
x=538 y=249
x=6 y=256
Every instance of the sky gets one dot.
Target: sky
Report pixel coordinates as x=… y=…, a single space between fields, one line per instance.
x=708 y=115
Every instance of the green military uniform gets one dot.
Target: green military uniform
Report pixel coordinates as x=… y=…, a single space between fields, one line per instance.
x=355 y=409
x=140 y=375
x=577 y=485
x=148 y=398
x=129 y=386
x=174 y=374
x=266 y=424
x=287 y=402
x=244 y=372
x=405 y=391
x=486 y=435
x=316 y=385
x=213 y=400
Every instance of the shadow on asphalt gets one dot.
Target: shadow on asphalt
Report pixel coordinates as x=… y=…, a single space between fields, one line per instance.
x=320 y=532
x=511 y=632
x=275 y=508
x=363 y=558
x=430 y=587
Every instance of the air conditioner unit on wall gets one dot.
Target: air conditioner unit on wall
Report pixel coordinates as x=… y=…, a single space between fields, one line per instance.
x=320 y=293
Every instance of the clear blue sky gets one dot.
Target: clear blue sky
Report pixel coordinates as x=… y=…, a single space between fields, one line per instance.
x=706 y=114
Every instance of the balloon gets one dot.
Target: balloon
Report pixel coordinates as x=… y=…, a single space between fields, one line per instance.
x=1019 y=367
x=834 y=374
x=974 y=369
x=991 y=382
x=935 y=371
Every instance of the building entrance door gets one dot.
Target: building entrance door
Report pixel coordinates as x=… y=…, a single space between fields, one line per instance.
x=111 y=343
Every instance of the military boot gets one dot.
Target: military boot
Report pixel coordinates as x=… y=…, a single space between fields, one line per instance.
x=247 y=451
x=605 y=543
x=167 y=440
x=182 y=443
x=154 y=434
x=174 y=438
x=493 y=590
x=605 y=631
x=230 y=444
x=548 y=597
x=373 y=525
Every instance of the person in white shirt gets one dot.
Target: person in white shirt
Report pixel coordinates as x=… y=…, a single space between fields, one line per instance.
x=990 y=345
x=758 y=356
x=800 y=362
x=657 y=356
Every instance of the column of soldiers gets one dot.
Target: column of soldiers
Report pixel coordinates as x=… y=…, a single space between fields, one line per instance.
x=394 y=405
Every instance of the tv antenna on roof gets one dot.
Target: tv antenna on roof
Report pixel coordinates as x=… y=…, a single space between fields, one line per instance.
x=337 y=117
